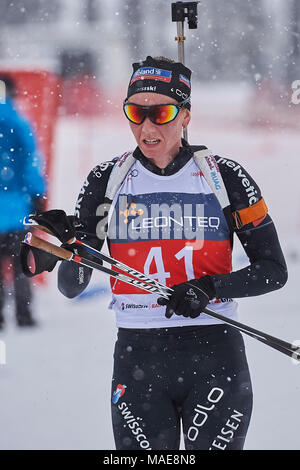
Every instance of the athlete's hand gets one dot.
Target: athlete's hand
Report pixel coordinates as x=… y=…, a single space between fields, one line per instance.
x=189 y=298
x=58 y=222
x=35 y=261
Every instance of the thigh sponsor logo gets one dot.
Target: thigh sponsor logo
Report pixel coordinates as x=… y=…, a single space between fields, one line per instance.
x=226 y=434
x=134 y=426
x=118 y=393
x=202 y=412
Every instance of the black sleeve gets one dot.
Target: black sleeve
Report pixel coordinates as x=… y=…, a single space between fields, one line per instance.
x=90 y=212
x=73 y=278
x=267 y=270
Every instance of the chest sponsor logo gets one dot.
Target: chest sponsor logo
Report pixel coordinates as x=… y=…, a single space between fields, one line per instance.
x=131 y=210
x=136 y=220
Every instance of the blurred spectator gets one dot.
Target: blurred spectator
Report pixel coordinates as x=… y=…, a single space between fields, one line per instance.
x=21 y=189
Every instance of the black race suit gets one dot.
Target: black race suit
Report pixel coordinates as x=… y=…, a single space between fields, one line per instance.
x=198 y=374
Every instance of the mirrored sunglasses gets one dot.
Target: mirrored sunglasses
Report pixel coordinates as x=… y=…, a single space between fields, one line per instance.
x=159 y=114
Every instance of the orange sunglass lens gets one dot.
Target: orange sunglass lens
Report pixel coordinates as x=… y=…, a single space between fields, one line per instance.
x=134 y=113
x=164 y=114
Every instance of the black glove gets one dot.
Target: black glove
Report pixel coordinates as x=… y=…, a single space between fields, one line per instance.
x=58 y=222
x=35 y=261
x=189 y=298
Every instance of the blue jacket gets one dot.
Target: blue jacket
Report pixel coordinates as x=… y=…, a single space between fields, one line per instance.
x=21 y=179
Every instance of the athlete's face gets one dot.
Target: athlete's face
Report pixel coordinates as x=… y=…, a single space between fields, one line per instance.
x=159 y=143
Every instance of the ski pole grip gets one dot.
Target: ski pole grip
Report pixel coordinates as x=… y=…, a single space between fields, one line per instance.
x=37 y=242
x=46 y=230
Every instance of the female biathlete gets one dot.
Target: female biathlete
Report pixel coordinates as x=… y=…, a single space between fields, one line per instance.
x=160 y=212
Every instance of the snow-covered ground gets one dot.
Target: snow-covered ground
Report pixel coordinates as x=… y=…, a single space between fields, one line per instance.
x=55 y=385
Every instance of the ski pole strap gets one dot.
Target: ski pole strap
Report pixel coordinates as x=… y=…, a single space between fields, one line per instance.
x=41 y=244
x=250 y=214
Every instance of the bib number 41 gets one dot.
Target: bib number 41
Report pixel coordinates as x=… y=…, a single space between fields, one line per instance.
x=155 y=257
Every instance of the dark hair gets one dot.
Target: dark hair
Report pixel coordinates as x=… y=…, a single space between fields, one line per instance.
x=10 y=85
x=161 y=58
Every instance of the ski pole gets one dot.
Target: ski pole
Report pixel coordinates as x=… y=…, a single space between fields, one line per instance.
x=273 y=342
x=83 y=247
x=68 y=255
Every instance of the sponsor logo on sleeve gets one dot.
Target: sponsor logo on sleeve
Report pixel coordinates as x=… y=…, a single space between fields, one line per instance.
x=249 y=188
